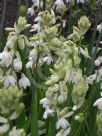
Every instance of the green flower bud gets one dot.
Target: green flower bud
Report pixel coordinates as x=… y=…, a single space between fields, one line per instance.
x=84 y=24
x=63 y=112
x=79 y=91
x=23 y=10
x=21 y=22
x=10 y=100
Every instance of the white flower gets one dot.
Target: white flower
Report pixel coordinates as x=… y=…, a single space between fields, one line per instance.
x=48 y=60
x=99 y=28
x=60 y=99
x=5 y=58
x=3 y=120
x=47 y=112
x=81 y=1
x=31 y=11
x=67 y=131
x=36 y=27
x=63 y=123
x=30 y=63
x=84 y=52
x=53 y=17
x=17 y=132
x=92 y=78
x=100 y=71
x=10 y=44
x=98 y=103
x=59 y=4
x=24 y=82
x=45 y=102
x=4 y=128
x=9 y=80
x=14 y=115
x=37 y=19
x=67 y=1
x=63 y=132
x=98 y=61
x=77 y=117
x=17 y=64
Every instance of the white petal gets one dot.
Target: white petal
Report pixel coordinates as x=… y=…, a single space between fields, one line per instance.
x=98 y=103
x=4 y=128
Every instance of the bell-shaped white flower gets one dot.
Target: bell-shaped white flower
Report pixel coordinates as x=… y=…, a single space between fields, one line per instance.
x=59 y=4
x=17 y=132
x=36 y=27
x=5 y=58
x=24 y=82
x=31 y=11
x=63 y=132
x=99 y=28
x=61 y=98
x=4 y=128
x=81 y=1
x=62 y=123
x=14 y=115
x=17 y=64
x=45 y=102
x=92 y=78
x=98 y=61
x=98 y=103
x=9 y=80
x=30 y=63
x=48 y=60
x=48 y=112
x=37 y=19
x=3 y=120
x=10 y=44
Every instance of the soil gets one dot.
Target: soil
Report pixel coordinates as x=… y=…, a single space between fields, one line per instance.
x=11 y=10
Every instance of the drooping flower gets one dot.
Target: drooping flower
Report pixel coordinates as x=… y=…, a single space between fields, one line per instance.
x=81 y=1
x=24 y=82
x=5 y=58
x=98 y=103
x=63 y=123
x=17 y=132
x=17 y=64
x=59 y=4
x=10 y=44
x=92 y=78
x=63 y=132
x=45 y=102
x=99 y=28
x=31 y=11
x=5 y=125
x=47 y=112
x=30 y=63
x=9 y=80
x=48 y=60
x=98 y=61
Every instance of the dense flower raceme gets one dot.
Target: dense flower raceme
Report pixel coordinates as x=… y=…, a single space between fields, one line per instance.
x=58 y=4
x=65 y=70
x=65 y=78
x=12 y=86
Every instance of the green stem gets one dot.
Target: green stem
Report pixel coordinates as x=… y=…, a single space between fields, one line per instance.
x=34 y=122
